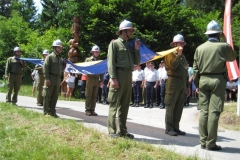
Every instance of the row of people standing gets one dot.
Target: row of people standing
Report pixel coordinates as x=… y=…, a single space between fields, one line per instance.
x=149 y=85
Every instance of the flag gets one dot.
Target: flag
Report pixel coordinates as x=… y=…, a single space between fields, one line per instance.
x=232 y=67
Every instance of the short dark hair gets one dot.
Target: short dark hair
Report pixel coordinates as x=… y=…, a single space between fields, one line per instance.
x=213 y=35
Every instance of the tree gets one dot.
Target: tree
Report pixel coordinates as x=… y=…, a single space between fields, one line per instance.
x=5 y=7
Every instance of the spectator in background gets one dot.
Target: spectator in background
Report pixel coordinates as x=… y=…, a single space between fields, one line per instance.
x=34 y=76
x=163 y=80
x=232 y=90
x=105 y=87
x=151 y=82
x=83 y=85
x=137 y=82
x=70 y=79
x=99 y=96
x=190 y=80
x=146 y=69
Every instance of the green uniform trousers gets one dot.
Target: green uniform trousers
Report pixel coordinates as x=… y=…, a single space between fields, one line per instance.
x=40 y=84
x=211 y=102
x=14 y=83
x=91 y=93
x=174 y=100
x=119 y=100
x=50 y=95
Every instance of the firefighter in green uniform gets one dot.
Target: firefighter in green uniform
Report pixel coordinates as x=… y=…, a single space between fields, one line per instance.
x=92 y=85
x=176 y=87
x=41 y=79
x=52 y=71
x=13 y=74
x=121 y=59
x=210 y=79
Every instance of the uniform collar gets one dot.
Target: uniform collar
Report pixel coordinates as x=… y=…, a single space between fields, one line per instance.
x=93 y=58
x=213 y=39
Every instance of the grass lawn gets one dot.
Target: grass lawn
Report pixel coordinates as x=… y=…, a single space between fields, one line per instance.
x=26 y=134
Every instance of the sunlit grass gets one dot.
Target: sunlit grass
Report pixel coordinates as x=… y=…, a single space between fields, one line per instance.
x=229 y=118
x=26 y=134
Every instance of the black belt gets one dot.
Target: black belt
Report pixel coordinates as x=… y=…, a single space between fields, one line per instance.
x=123 y=69
x=213 y=73
x=136 y=81
x=18 y=74
x=179 y=77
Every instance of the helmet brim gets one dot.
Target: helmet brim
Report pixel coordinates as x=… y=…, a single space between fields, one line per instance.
x=212 y=32
x=171 y=44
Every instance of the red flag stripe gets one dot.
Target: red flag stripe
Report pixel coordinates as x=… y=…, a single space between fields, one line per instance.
x=232 y=67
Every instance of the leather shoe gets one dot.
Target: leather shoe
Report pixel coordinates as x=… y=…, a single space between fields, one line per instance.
x=147 y=106
x=215 y=148
x=151 y=106
x=94 y=113
x=88 y=113
x=179 y=132
x=128 y=135
x=203 y=146
x=162 y=106
x=134 y=104
x=171 y=132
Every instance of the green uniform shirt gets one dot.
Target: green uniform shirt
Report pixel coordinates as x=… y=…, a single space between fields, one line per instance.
x=121 y=55
x=53 y=65
x=176 y=65
x=211 y=57
x=90 y=59
x=14 y=66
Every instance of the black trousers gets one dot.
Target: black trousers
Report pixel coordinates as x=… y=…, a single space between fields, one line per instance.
x=150 y=92
x=137 y=91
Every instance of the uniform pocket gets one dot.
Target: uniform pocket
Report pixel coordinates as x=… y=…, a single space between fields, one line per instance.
x=44 y=92
x=112 y=95
x=168 y=97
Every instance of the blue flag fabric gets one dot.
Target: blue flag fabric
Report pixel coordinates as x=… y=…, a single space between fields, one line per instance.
x=101 y=67
x=33 y=60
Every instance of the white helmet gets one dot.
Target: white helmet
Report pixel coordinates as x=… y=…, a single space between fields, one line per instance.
x=57 y=43
x=16 y=49
x=45 y=52
x=178 y=38
x=95 y=48
x=213 y=27
x=125 y=25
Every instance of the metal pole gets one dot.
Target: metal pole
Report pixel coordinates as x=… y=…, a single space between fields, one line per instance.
x=238 y=98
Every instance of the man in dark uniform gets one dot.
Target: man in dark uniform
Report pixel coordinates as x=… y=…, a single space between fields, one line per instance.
x=210 y=79
x=13 y=73
x=177 y=71
x=121 y=59
x=52 y=70
x=93 y=82
x=40 y=81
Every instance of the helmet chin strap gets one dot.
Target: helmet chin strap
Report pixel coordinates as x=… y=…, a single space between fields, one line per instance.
x=55 y=51
x=127 y=34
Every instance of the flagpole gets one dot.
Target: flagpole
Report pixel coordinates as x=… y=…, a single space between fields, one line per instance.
x=238 y=98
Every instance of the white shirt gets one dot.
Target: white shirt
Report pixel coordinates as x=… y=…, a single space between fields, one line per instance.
x=71 y=78
x=162 y=73
x=35 y=74
x=138 y=75
x=152 y=76
x=231 y=85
